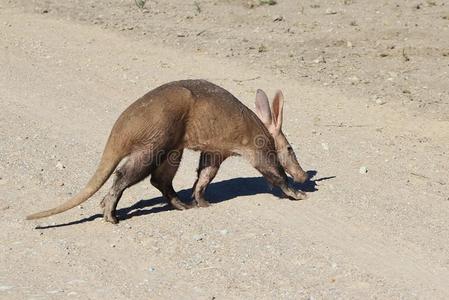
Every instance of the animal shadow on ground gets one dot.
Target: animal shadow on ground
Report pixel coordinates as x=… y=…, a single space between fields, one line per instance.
x=216 y=192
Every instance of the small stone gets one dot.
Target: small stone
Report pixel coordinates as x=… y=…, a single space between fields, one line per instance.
x=380 y=101
x=354 y=79
x=262 y=48
x=60 y=166
x=349 y=44
x=363 y=170
x=330 y=12
x=278 y=19
x=325 y=146
x=393 y=74
x=112 y=245
x=198 y=237
x=320 y=59
x=45 y=11
x=151 y=269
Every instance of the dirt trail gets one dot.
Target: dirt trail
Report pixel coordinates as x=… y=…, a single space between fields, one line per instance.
x=382 y=234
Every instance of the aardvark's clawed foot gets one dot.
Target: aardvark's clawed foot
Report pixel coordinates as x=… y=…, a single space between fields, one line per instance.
x=294 y=194
x=201 y=202
x=108 y=212
x=110 y=218
x=179 y=205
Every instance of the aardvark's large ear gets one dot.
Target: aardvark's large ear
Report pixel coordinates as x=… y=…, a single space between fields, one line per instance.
x=263 y=108
x=276 y=110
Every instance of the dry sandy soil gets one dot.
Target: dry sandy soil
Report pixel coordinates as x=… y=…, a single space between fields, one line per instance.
x=366 y=86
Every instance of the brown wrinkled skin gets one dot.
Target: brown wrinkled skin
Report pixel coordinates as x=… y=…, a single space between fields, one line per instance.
x=194 y=114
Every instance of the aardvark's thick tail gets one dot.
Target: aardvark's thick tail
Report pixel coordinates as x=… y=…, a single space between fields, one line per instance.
x=109 y=161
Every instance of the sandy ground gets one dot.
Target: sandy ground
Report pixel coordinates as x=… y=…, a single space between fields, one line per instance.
x=353 y=100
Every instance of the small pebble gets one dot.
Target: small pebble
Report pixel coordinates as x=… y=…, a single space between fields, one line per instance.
x=325 y=146
x=60 y=166
x=198 y=237
x=262 y=48
x=380 y=101
x=151 y=269
x=354 y=79
x=363 y=170
x=320 y=59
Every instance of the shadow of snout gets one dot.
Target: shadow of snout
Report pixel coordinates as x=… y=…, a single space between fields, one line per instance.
x=304 y=183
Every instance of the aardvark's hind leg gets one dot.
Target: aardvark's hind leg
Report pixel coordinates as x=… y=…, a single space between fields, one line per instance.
x=136 y=168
